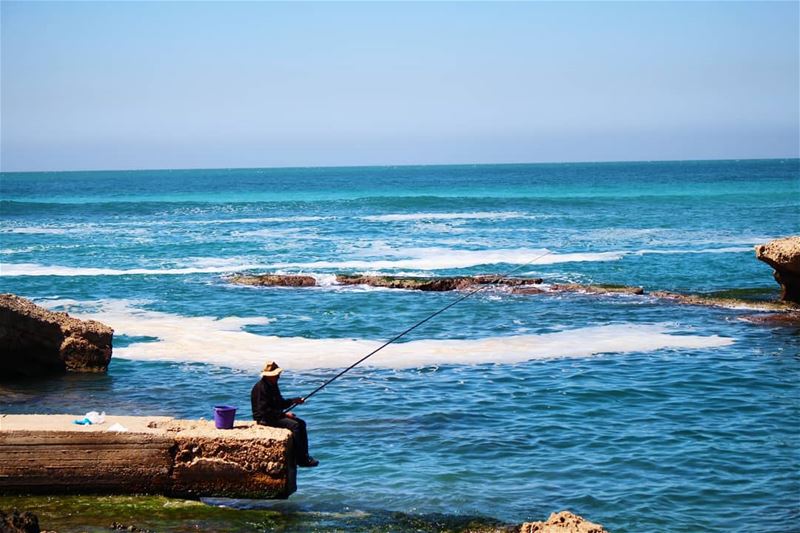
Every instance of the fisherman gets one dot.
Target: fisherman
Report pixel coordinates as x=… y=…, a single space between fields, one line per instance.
x=268 y=410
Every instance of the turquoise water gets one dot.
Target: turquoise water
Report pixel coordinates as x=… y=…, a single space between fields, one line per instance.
x=637 y=413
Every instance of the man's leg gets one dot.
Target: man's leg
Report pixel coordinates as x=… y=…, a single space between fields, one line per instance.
x=299 y=435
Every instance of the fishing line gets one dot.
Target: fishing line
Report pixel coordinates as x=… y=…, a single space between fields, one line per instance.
x=423 y=321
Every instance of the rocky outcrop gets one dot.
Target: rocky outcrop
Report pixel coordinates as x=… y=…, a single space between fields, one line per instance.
x=37 y=341
x=48 y=454
x=391 y=282
x=432 y=284
x=784 y=256
x=784 y=312
x=19 y=522
x=563 y=522
x=274 y=280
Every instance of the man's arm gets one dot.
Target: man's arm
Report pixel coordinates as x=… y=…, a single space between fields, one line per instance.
x=255 y=404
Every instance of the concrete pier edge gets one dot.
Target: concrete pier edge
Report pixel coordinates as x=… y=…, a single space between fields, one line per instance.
x=50 y=454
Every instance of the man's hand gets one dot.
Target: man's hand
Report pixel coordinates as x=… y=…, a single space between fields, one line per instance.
x=298 y=401
x=290 y=414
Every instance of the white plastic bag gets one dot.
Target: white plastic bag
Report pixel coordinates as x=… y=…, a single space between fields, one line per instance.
x=95 y=418
x=119 y=428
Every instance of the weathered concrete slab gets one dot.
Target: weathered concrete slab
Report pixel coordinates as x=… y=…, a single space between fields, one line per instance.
x=49 y=454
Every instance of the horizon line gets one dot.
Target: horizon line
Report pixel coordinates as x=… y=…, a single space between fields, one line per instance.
x=408 y=165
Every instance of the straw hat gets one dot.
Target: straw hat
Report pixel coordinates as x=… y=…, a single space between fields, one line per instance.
x=271 y=368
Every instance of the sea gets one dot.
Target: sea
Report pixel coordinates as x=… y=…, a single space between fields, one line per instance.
x=638 y=413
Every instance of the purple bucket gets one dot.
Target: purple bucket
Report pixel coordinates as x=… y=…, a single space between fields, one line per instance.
x=223 y=416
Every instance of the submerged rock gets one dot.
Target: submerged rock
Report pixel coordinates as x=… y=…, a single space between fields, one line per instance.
x=563 y=522
x=274 y=280
x=37 y=341
x=432 y=284
x=784 y=256
x=116 y=526
x=588 y=289
x=788 y=319
x=727 y=303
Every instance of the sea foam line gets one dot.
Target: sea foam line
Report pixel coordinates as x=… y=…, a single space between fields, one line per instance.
x=405 y=217
x=447 y=258
x=32 y=269
x=223 y=342
x=36 y=230
x=727 y=250
x=415 y=259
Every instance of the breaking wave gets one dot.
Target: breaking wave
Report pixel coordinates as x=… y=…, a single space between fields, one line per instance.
x=33 y=269
x=446 y=258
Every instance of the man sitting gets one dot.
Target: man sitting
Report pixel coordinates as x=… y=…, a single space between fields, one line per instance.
x=268 y=410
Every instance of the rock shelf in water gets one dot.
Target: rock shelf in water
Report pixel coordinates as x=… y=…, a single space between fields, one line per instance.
x=449 y=283
x=434 y=283
x=49 y=454
x=37 y=341
x=274 y=280
x=780 y=312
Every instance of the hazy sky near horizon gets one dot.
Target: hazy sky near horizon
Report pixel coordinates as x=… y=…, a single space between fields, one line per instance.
x=112 y=85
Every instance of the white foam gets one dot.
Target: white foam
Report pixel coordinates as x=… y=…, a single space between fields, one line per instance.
x=259 y=220
x=33 y=269
x=440 y=227
x=269 y=233
x=325 y=280
x=447 y=258
x=36 y=230
x=405 y=217
x=419 y=259
x=728 y=250
x=223 y=342
x=25 y=250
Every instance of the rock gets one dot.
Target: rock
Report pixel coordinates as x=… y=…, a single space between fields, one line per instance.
x=392 y=282
x=117 y=526
x=432 y=284
x=48 y=454
x=784 y=256
x=584 y=289
x=726 y=303
x=563 y=522
x=788 y=319
x=37 y=341
x=274 y=280
x=17 y=522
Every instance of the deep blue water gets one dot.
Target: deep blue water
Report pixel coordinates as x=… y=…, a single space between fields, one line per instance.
x=637 y=413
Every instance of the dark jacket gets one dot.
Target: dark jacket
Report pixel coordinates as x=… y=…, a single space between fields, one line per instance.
x=267 y=402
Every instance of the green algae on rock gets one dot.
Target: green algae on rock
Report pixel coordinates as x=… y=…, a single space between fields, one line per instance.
x=273 y=280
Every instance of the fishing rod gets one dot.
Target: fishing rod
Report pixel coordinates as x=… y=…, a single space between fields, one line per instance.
x=421 y=322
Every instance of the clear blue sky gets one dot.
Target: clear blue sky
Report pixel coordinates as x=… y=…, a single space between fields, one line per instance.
x=186 y=85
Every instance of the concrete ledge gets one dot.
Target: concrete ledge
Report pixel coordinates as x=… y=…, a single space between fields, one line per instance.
x=49 y=454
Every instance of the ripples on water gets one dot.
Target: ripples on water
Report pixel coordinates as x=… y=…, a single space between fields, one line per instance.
x=636 y=436
x=636 y=441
